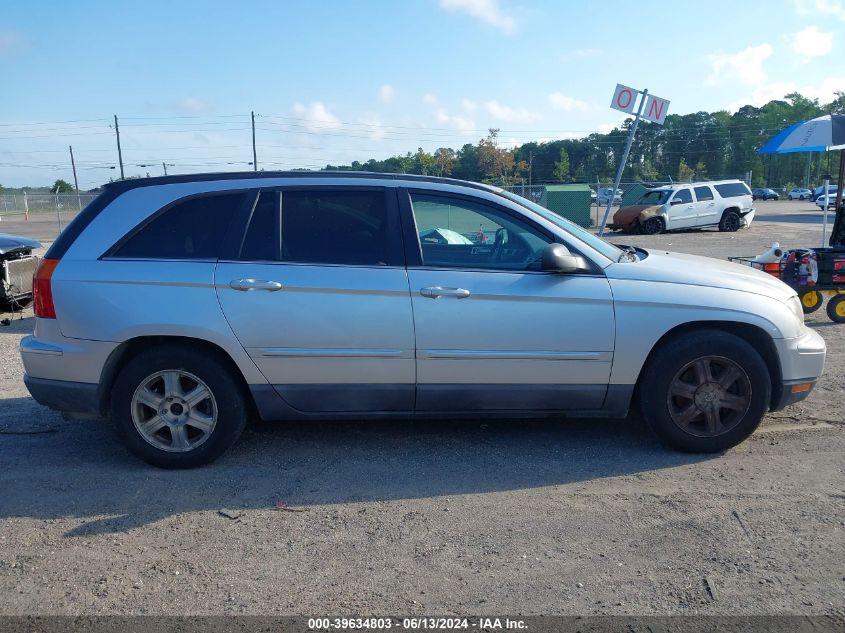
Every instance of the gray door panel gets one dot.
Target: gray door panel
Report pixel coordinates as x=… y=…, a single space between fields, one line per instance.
x=332 y=338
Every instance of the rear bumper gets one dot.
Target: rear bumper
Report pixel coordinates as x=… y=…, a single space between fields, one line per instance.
x=63 y=395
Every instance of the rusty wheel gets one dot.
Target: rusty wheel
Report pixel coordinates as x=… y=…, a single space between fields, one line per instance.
x=709 y=396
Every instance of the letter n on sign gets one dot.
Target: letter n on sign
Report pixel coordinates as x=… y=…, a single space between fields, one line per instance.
x=655 y=109
x=624 y=98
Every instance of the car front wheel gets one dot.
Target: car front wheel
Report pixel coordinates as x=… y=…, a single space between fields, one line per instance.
x=178 y=407
x=705 y=391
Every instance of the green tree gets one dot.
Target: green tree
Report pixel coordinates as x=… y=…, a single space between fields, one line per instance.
x=685 y=172
x=561 y=170
x=61 y=186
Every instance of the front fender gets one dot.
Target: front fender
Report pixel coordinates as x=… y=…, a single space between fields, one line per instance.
x=646 y=311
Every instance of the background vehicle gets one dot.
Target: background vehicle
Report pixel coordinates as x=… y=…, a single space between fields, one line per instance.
x=819 y=191
x=800 y=194
x=17 y=265
x=764 y=194
x=178 y=306
x=604 y=194
x=726 y=204
x=831 y=198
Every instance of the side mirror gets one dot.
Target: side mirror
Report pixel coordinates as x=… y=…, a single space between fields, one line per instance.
x=675 y=201
x=557 y=259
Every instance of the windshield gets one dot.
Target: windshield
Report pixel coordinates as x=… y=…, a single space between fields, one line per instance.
x=655 y=197
x=608 y=250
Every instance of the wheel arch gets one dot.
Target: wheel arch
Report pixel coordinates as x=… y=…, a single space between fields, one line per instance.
x=755 y=335
x=130 y=348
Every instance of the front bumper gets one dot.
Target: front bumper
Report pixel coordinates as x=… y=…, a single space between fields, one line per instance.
x=802 y=362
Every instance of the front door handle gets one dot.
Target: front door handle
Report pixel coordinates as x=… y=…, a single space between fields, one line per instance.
x=245 y=285
x=433 y=292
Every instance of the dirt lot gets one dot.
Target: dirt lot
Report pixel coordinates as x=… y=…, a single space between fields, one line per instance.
x=568 y=517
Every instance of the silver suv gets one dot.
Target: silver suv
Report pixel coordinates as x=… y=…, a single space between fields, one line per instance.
x=179 y=307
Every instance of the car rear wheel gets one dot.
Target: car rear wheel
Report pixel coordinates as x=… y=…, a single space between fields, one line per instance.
x=705 y=391
x=177 y=407
x=653 y=226
x=730 y=222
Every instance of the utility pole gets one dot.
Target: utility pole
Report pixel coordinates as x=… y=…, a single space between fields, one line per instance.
x=163 y=166
x=530 y=167
x=119 y=154
x=254 y=156
x=75 y=182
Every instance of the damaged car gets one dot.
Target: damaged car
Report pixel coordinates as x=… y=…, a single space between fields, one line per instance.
x=17 y=265
x=726 y=204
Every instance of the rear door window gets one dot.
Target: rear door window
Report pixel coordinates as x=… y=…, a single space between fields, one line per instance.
x=190 y=229
x=703 y=194
x=320 y=226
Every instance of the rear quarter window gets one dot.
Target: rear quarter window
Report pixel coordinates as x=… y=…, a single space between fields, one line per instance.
x=188 y=229
x=733 y=189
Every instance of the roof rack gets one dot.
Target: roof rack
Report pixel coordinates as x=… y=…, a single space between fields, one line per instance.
x=126 y=185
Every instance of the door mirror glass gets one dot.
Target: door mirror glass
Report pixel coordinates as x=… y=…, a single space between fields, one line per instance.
x=557 y=259
x=676 y=201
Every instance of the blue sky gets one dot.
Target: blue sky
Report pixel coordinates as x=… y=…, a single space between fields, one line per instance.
x=337 y=81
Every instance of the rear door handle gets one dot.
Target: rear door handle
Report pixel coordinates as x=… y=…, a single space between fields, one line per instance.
x=433 y=292
x=245 y=285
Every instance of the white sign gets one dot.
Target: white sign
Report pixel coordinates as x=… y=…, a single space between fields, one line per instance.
x=655 y=109
x=624 y=98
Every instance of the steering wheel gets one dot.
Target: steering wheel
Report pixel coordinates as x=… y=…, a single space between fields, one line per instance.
x=498 y=245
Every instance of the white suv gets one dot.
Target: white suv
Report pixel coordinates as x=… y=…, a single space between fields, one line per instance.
x=726 y=204
x=180 y=306
x=800 y=194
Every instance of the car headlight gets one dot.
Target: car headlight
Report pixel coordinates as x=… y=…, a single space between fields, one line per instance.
x=794 y=304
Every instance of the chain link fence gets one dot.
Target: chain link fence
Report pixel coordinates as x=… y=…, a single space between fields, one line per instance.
x=40 y=216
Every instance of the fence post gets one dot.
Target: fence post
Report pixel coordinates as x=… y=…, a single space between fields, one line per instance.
x=25 y=208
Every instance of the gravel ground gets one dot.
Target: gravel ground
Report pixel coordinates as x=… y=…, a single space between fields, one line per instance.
x=568 y=517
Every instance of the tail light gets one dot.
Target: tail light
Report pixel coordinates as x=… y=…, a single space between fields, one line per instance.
x=42 y=289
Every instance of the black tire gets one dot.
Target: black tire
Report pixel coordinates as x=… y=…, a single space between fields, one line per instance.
x=836 y=309
x=811 y=301
x=730 y=222
x=653 y=226
x=227 y=396
x=800 y=197
x=666 y=367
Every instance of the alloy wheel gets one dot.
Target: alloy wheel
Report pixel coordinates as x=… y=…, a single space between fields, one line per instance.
x=174 y=411
x=709 y=396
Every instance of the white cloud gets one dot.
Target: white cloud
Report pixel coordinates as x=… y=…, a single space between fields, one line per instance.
x=811 y=42
x=429 y=99
x=457 y=121
x=581 y=53
x=820 y=8
x=469 y=106
x=193 y=105
x=316 y=117
x=823 y=91
x=488 y=11
x=745 y=65
x=386 y=93
x=607 y=128
x=10 y=41
x=560 y=101
x=373 y=126
x=761 y=96
x=509 y=114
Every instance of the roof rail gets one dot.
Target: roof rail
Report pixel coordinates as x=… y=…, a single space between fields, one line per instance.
x=126 y=185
